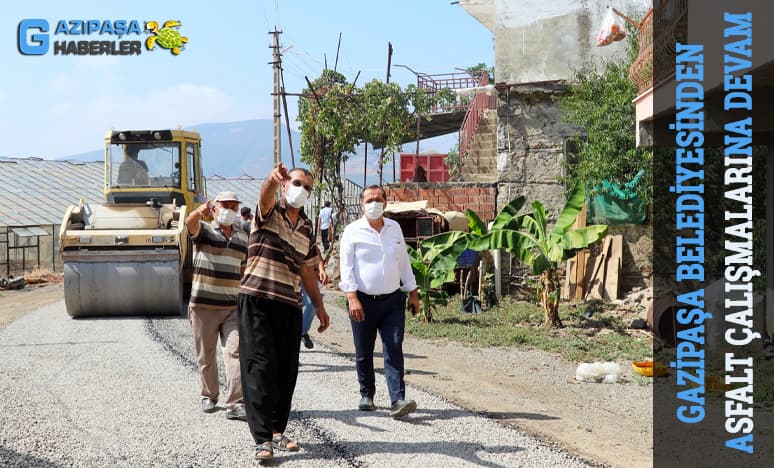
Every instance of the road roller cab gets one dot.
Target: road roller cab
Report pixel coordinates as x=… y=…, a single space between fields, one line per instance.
x=131 y=255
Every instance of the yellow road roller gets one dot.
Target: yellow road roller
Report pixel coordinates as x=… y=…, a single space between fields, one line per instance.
x=131 y=256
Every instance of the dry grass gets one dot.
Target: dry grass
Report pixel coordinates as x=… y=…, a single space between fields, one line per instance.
x=41 y=275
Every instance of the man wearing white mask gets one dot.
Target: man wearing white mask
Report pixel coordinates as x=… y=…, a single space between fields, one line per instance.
x=376 y=274
x=219 y=255
x=282 y=254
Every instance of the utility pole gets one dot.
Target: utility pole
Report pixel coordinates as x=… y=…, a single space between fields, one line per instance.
x=384 y=136
x=276 y=65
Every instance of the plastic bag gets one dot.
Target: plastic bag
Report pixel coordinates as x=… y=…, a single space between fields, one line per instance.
x=611 y=30
x=470 y=304
x=604 y=372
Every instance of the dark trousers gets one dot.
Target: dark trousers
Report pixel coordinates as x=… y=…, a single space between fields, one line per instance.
x=324 y=233
x=269 y=333
x=388 y=317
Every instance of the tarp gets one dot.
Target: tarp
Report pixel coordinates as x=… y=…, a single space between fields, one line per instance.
x=616 y=204
x=418 y=207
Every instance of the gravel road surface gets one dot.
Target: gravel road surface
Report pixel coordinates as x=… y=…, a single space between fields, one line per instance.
x=124 y=392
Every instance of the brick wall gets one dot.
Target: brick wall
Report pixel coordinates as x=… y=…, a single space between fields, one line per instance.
x=450 y=196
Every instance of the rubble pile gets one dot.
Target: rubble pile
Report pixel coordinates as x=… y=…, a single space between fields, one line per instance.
x=634 y=307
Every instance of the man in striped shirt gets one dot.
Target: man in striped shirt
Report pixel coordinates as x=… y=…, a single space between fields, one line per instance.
x=281 y=255
x=220 y=251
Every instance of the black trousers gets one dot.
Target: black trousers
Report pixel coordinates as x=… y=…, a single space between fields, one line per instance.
x=326 y=243
x=388 y=317
x=269 y=333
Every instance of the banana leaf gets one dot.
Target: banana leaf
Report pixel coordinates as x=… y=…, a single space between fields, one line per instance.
x=508 y=217
x=476 y=226
x=571 y=210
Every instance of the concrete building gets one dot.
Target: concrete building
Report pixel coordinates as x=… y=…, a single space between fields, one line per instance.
x=653 y=71
x=523 y=144
x=538 y=45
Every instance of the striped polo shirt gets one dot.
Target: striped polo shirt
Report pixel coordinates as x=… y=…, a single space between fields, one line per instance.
x=218 y=263
x=275 y=255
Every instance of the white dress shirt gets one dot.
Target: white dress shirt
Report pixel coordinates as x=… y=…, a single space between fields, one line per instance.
x=325 y=217
x=375 y=262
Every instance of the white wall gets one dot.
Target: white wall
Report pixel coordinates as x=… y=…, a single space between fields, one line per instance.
x=540 y=40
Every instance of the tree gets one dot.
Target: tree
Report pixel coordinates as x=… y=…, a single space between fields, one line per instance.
x=329 y=132
x=601 y=103
x=336 y=116
x=454 y=163
x=481 y=67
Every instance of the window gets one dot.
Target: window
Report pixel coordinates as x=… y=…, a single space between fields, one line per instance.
x=191 y=151
x=144 y=165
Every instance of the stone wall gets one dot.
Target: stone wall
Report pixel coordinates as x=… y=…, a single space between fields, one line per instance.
x=531 y=140
x=449 y=196
x=637 y=258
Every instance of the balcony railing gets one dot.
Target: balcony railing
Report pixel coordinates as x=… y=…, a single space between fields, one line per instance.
x=659 y=30
x=434 y=83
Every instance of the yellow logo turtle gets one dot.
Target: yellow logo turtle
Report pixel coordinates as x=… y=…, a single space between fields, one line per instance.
x=167 y=37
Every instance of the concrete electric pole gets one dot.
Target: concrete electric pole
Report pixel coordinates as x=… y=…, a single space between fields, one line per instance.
x=276 y=65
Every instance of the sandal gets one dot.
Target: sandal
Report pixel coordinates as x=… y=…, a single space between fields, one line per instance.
x=281 y=442
x=262 y=449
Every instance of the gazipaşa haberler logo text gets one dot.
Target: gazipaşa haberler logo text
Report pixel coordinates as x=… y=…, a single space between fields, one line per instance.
x=115 y=37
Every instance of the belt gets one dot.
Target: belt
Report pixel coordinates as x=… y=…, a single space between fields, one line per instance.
x=379 y=297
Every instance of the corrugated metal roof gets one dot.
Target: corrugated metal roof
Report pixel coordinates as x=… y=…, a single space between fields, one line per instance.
x=35 y=191
x=246 y=188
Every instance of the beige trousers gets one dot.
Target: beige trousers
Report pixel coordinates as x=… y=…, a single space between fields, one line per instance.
x=207 y=326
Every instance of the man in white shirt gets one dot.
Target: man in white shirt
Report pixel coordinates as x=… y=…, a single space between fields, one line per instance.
x=376 y=274
x=324 y=225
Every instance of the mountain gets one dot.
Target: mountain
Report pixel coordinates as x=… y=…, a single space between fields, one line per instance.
x=245 y=147
x=232 y=149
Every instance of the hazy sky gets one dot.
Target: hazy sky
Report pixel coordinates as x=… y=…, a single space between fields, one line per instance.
x=54 y=105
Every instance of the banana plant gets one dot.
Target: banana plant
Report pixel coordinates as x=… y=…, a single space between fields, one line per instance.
x=434 y=265
x=527 y=237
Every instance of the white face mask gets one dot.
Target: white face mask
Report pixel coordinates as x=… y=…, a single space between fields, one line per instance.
x=296 y=196
x=226 y=217
x=374 y=210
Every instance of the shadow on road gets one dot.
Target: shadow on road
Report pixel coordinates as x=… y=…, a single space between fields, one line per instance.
x=13 y=458
x=421 y=416
x=310 y=367
x=470 y=452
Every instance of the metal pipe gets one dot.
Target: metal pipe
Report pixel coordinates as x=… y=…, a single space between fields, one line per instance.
x=365 y=164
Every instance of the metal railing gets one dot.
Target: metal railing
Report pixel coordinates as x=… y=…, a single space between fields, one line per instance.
x=478 y=107
x=659 y=30
x=352 y=199
x=351 y=202
x=24 y=253
x=435 y=83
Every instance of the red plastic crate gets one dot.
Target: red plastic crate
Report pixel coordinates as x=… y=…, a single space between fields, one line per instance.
x=433 y=164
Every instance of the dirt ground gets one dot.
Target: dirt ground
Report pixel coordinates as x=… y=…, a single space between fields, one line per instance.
x=14 y=304
x=533 y=391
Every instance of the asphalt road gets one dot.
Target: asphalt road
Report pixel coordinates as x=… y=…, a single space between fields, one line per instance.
x=124 y=392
